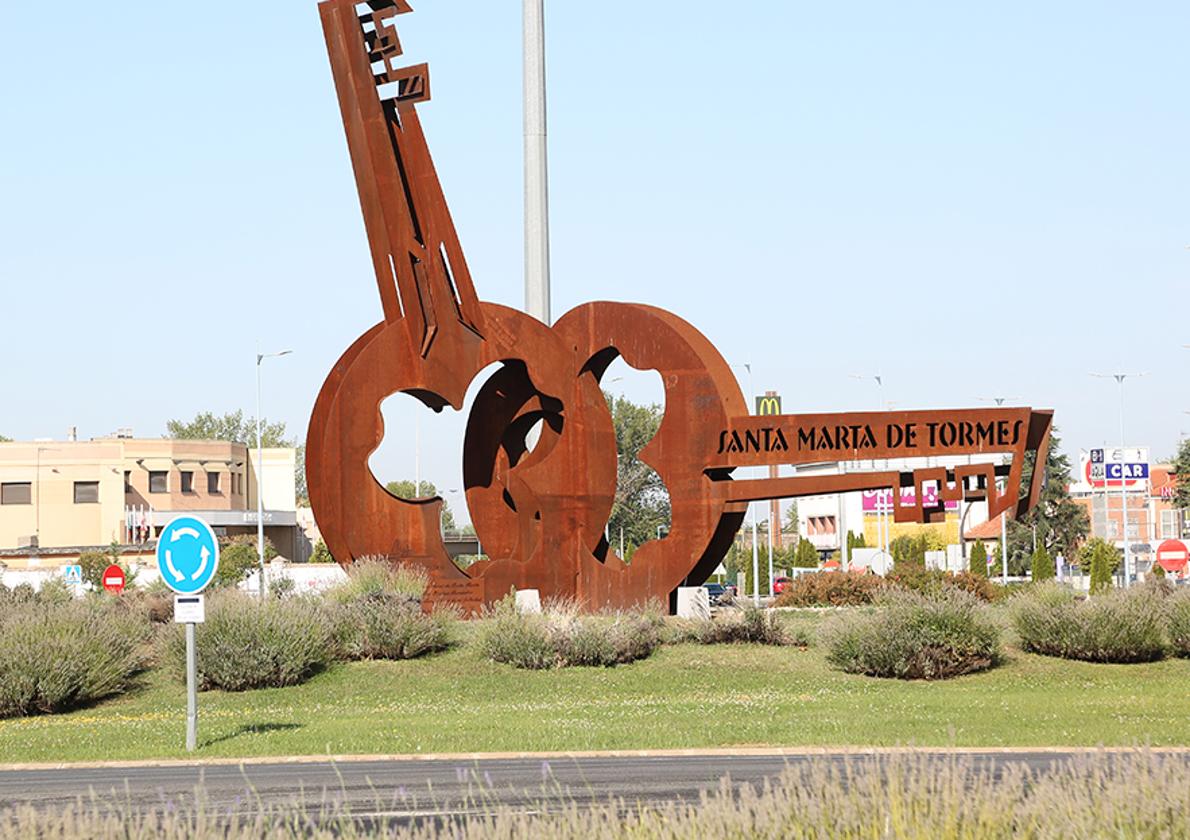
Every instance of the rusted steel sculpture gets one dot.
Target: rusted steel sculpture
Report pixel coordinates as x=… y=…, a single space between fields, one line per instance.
x=540 y=513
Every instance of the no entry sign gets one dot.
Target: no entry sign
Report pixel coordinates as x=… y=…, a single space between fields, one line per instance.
x=113 y=579
x=1172 y=555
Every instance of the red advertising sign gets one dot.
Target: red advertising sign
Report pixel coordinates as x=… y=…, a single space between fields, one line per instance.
x=1173 y=556
x=113 y=579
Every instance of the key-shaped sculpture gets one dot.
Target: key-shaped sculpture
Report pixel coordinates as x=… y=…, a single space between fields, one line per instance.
x=540 y=512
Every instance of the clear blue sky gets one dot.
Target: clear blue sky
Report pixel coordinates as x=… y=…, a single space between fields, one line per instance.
x=975 y=200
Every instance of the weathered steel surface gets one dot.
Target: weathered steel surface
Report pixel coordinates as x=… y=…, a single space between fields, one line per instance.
x=540 y=513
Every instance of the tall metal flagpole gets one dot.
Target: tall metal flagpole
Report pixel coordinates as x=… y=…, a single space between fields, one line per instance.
x=537 y=222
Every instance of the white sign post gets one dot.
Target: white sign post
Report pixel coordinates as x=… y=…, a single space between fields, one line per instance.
x=188 y=557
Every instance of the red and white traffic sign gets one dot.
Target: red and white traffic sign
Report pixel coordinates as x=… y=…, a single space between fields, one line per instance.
x=113 y=579
x=1173 y=556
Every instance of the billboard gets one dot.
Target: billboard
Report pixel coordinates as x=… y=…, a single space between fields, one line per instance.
x=880 y=501
x=1109 y=466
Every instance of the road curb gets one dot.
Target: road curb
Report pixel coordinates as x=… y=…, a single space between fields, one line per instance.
x=725 y=752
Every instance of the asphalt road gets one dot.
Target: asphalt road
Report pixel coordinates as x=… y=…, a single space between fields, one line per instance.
x=404 y=789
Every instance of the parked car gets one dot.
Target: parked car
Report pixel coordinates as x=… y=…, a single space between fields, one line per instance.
x=720 y=593
x=779 y=584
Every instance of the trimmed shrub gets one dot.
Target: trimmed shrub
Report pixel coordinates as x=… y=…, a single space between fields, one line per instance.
x=560 y=637
x=911 y=635
x=56 y=656
x=1179 y=622
x=246 y=643
x=747 y=626
x=805 y=556
x=1100 y=558
x=977 y=563
x=1043 y=565
x=1126 y=625
x=830 y=589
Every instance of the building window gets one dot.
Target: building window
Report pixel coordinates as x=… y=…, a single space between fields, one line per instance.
x=127 y=481
x=158 y=482
x=187 y=481
x=213 y=484
x=1169 y=524
x=86 y=492
x=16 y=493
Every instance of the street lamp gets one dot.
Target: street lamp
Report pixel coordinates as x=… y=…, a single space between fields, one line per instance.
x=751 y=510
x=1120 y=377
x=260 y=357
x=882 y=527
x=537 y=212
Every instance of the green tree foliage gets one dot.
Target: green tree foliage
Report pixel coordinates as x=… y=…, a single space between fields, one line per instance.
x=4 y=439
x=1043 y=565
x=321 y=553
x=806 y=555
x=1158 y=571
x=911 y=550
x=791 y=520
x=1101 y=559
x=408 y=490
x=1181 y=471
x=1062 y=525
x=641 y=503
x=998 y=558
x=238 y=558
x=95 y=563
x=236 y=427
x=977 y=561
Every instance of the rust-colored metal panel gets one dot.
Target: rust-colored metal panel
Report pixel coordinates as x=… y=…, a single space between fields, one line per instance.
x=540 y=512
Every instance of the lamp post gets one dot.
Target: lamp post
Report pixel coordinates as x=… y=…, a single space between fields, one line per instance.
x=260 y=357
x=882 y=527
x=1120 y=377
x=537 y=221
x=751 y=510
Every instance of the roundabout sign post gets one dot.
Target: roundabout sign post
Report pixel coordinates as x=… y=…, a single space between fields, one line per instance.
x=187 y=558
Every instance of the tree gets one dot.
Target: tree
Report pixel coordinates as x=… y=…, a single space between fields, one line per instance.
x=1101 y=558
x=95 y=563
x=321 y=553
x=791 y=520
x=998 y=557
x=1061 y=524
x=235 y=427
x=4 y=439
x=806 y=555
x=1043 y=565
x=855 y=541
x=977 y=562
x=641 y=504
x=1181 y=472
x=239 y=557
x=407 y=490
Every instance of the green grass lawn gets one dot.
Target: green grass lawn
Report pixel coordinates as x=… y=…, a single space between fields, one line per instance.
x=684 y=696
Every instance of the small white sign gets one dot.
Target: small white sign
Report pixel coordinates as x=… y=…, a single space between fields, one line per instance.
x=190 y=609
x=72 y=575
